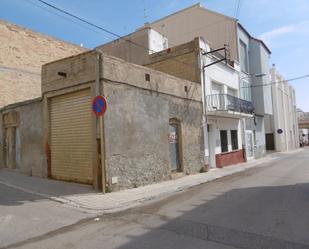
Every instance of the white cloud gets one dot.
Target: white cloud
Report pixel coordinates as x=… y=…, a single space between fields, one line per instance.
x=270 y=36
x=276 y=32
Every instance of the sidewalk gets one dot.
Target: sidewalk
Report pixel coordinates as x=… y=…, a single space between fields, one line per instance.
x=87 y=200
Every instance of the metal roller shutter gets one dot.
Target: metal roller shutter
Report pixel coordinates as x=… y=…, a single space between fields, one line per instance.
x=71 y=137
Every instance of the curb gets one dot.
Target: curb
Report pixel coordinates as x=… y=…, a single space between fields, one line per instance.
x=147 y=199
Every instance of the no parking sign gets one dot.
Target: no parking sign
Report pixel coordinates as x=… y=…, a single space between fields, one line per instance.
x=99 y=105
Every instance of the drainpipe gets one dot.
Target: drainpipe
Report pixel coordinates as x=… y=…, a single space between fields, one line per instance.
x=204 y=102
x=99 y=120
x=285 y=117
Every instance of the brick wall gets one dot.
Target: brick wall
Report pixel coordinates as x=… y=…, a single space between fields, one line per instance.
x=230 y=158
x=22 y=53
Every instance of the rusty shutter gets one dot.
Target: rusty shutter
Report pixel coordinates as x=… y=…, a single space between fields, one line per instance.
x=71 y=137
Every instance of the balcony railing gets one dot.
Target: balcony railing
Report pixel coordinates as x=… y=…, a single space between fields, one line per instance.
x=225 y=102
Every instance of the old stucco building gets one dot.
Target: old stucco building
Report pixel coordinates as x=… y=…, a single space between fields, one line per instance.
x=21 y=137
x=152 y=129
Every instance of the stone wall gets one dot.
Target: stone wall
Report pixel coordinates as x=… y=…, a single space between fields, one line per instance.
x=136 y=135
x=29 y=123
x=137 y=123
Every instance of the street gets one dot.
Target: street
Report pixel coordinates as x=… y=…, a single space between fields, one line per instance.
x=24 y=215
x=264 y=207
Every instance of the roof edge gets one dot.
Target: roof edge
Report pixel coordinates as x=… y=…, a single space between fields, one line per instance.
x=197 y=5
x=43 y=35
x=253 y=38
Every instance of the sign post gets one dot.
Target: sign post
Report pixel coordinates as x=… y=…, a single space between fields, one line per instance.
x=99 y=106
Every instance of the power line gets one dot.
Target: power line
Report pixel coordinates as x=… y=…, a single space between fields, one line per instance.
x=127 y=40
x=78 y=18
x=278 y=82
x=238 y=9
x=107 y=31
x=67 y=19
x=94 y=25
x=235 y=8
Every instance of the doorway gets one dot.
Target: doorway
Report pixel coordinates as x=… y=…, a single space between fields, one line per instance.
x=175 y=145
x=270 y=141
x=11 y=148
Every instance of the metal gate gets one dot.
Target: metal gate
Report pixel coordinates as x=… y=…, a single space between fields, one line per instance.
x=71 y=137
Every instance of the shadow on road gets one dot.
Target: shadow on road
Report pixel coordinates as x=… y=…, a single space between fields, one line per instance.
x=259 y=217
x=16 y=188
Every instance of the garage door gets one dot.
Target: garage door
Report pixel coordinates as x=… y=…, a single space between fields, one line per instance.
x=71 y=137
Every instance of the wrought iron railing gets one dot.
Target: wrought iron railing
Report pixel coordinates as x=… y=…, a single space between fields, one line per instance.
x=226 y=102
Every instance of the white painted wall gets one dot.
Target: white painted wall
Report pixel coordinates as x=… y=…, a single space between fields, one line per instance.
x=285 y=113
x=227 y=124
x=156 y=41
x=220 y=73
x=145 y=41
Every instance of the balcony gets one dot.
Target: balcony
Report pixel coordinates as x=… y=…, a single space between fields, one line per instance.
x=228 y=105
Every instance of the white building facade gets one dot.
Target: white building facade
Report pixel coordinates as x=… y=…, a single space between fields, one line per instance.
x=285 y=118
x=225 y=111
x=254 y=73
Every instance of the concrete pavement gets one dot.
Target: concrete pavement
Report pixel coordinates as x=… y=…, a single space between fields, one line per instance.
x=85 y=199
x=24 y=215
x=264 y=207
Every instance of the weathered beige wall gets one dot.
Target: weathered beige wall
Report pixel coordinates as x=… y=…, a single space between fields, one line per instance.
x=22 y=53
x=180 y=61
x=131 y=48
x=79 y=69
x=195 y=21
x=137 y=123
x=30 y=126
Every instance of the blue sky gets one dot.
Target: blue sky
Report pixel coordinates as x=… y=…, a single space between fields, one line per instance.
x=283 y=25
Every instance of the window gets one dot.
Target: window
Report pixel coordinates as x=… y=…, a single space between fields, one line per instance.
x=245 y=90
x=243 y=56
x=217 y=99
x=224 y=143
x=234 y=139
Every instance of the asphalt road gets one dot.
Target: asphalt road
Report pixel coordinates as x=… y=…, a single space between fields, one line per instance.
x=265 y=207
x=24 y=215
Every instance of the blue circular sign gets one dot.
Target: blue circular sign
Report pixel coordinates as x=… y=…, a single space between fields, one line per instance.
x=99 y=105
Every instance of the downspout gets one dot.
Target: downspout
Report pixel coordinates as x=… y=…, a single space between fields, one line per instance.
x=204 y=107
x=284 y=118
